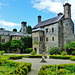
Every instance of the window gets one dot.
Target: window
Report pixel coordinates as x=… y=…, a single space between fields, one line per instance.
x=36 y=39
x=47 y=39
x=3 y=40
x=47 y=30
x=52 y=30
x=41 y=38
x=52 y=38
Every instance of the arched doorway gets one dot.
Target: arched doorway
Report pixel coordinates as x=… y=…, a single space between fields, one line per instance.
x=35 y=49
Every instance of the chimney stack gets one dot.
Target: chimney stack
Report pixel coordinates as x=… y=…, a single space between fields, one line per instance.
x=67 y=10
x=39 y=19
x=23 y=28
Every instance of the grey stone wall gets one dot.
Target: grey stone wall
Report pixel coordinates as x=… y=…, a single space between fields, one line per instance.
x=68 y=31
x=51 y=43
x=60 y=34
x=6 y=38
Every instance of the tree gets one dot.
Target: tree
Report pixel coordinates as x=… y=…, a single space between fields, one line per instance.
x=16 y=44
x=27 y=42
x=54 y=50
x=29 y=29
x=70 y=47
x=0 y=38
x=14 y=30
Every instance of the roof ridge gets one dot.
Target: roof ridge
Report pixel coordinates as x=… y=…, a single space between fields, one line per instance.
x=48 y=21
x=50 y=18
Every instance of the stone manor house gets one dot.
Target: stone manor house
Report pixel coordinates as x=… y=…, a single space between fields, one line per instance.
x=6 y=35
x=56 y=31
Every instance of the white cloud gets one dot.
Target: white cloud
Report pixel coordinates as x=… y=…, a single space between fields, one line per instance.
x=54 y=6
x=2 y=22
x=1 y=5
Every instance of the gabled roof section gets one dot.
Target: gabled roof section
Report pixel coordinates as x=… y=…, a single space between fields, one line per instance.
x=48 y=22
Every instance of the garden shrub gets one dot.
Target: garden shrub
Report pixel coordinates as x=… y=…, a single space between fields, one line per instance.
x=2 y=52
x=62 y=69
x=64 y=53
x=28 y=50
x=54 y=50
x=33 y=53
x=73 y=52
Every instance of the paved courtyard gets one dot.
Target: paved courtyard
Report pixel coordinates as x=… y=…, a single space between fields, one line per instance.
x=36 y=65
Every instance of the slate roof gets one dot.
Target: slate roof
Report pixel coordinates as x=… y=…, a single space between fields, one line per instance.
x=48 y=22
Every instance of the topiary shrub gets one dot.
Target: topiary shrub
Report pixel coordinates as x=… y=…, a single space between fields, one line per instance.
x=64 y=53
x=33 y=53
x=54 y=50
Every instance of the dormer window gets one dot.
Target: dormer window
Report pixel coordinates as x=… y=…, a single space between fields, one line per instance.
x=47 y=30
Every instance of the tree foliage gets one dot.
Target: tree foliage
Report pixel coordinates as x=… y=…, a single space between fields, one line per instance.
x=14 y=30
x=29 y=29
x=70 y=46
x=13 y=44
x=54 y=50
x=16 y=44
x=27 y=42
x=0 y=38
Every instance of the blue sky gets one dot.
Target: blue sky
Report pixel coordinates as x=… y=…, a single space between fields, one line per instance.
x=13 y=12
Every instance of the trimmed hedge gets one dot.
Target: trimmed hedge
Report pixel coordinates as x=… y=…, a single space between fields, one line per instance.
x=25 y=56
x=20 y=68
x=72 y=58
x=62 y=69
x=59 y=56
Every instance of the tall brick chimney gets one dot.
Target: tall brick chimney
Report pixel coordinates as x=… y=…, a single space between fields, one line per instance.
x=39 y=18
x=67 y=10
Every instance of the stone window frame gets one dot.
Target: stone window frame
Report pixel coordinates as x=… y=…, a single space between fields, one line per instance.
x=46 y=39
x=46 y=30
x=52 y=30
x=35 y=39
x=52 y=38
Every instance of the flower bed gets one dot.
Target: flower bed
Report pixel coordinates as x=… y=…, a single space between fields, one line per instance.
x=62 y=69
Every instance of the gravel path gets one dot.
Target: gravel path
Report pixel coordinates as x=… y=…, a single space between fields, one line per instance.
x=36 y=65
